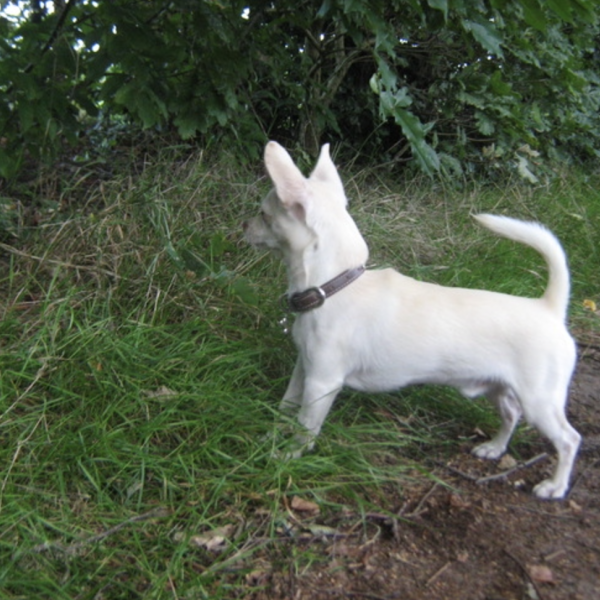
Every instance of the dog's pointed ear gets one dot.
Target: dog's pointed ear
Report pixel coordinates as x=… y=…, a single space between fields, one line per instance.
x=326 y=171
x=290 y=183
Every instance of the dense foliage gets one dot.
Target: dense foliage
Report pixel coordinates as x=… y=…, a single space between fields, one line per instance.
x=451 y=84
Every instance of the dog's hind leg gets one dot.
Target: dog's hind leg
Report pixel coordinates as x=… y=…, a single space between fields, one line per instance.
x=553 y=424
x=510 y=411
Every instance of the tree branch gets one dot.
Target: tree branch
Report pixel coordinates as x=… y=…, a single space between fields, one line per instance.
x=61 y=19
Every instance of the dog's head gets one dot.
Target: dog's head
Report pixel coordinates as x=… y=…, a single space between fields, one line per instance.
x=305 y=218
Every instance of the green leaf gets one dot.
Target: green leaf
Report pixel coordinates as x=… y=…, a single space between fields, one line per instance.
x=10 y=163
x=499 y=86
x=324 y=10
x=585 y=10
x=415 y=133
x=487 y=36
x=26 y=115
x=386 y=74
x=471 y=99
x=534 y=15
x=485 y=125
x=576 y=82
x=392 y=101
x=562 y=8
x=127 y=94
x=539 y=121
x=147 y=110
x=187 y=125
x=440 y=5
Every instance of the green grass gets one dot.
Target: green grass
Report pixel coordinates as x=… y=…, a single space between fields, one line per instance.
x=141 y=365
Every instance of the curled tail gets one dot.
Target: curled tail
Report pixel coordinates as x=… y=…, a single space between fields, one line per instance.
x=541 y=239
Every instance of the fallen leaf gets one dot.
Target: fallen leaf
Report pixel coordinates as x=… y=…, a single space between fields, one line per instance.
x=541 y=574
x=457 y=501
x=507 y=462
x=162 y=392
x=575 y=507
x=213 y=541
x=589 y=305
x=301 y=505
x=323 y=531
x=257 y=577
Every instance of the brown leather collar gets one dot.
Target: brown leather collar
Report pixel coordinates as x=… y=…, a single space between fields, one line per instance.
x=316 y=296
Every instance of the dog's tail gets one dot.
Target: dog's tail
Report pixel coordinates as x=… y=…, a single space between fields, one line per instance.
x=544 y=241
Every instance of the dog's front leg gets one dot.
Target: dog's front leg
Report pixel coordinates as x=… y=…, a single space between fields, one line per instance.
x=292 y=398
x=316 y=402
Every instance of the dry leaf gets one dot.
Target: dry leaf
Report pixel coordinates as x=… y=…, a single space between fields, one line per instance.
x=575 y=507
x=507 y=462
x=323 y=531
x=301 y=505
x=257 y=577
x=162 y=392
x=213 y=541
x=457 y=501
x=541 y=574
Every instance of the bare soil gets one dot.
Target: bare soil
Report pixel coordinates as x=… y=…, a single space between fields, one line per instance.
x=468 y=540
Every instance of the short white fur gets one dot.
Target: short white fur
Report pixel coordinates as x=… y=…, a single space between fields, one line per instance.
x=386 y=330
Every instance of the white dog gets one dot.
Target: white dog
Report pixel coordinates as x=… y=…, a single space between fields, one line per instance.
x=376 y=330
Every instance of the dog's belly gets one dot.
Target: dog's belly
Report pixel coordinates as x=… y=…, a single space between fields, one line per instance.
x=470 y=388
x=365 y=382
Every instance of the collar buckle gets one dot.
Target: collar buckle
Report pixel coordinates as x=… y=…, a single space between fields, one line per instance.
x=315 y=297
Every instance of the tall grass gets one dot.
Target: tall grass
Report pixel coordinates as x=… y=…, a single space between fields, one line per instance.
x=142 y=362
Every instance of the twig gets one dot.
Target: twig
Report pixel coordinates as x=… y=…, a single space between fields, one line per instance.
x=502 y=475
x=59 y=25
x=419 y=507
x=508 y=472
x=527 y=573
x=457 y=471
x=438 y=573
x=76 y=546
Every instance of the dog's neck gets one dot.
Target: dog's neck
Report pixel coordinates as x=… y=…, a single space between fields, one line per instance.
x=325 y=258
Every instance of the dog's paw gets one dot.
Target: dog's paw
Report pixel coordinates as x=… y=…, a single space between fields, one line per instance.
x=295 y=447
x=489 y=450
x=549 y=490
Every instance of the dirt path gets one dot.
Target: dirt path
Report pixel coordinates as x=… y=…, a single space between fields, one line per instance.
x=489 y=541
